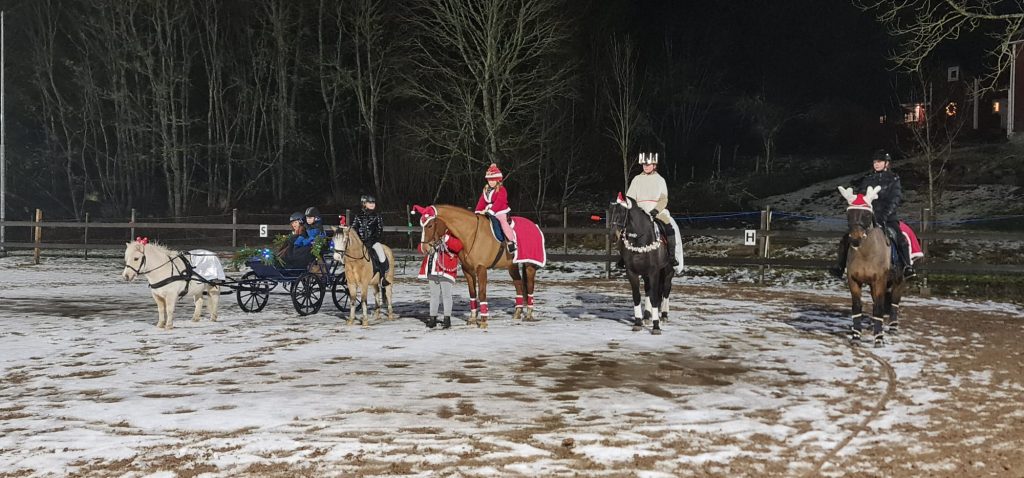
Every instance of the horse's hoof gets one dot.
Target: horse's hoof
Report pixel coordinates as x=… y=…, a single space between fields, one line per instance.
x=518 y=313
x=637 y=328
x=879 y=342
x=655 y=331
x=894 y=327
x=664 y=316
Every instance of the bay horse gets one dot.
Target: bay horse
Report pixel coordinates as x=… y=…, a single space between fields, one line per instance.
x=350 y=250
x=869 y=261
x=645 y=256
x=170 y=277
x=481 y=251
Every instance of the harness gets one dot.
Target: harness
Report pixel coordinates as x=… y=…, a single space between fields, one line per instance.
x=186 y=273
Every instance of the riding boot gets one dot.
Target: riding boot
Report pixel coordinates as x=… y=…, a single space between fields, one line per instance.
x=844 y=251
x=672 y=249
x=384 y=268
x=447 y=324
x=511 y=247
x=903 y=249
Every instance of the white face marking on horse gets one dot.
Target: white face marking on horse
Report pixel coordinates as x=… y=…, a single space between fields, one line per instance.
x=133 y=255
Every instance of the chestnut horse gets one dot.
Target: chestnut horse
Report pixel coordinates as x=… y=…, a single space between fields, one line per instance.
x=480 y=252
x=869 y=262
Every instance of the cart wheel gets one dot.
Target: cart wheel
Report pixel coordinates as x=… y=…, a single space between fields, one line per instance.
x=252 y=292
x=307 y=294
x=339 y=293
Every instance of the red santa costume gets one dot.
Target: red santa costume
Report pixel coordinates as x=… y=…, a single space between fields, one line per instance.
x=494 y=201
x=442 y=262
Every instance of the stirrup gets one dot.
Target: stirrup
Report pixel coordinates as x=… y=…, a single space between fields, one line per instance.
x=511 y=247
x=909 y=272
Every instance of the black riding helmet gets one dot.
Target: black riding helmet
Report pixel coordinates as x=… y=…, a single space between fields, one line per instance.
x=367 y=198
x=881 y=155
x=312 y=211
x=296 y=216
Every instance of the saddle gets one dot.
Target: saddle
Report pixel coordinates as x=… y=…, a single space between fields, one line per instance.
x=499 y=233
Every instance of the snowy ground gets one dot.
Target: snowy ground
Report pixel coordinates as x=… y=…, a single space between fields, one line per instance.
x=746 y=380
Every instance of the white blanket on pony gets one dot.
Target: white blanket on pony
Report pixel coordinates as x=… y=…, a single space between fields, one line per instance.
x=206 y=264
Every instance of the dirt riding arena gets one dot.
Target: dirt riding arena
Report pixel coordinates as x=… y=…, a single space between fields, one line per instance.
x=746 y=381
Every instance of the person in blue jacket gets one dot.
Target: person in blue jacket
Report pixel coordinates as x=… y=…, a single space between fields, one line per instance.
x=314 y=227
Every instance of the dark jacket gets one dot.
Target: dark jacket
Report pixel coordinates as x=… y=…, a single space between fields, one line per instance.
x=889 y=198
x=369 y=225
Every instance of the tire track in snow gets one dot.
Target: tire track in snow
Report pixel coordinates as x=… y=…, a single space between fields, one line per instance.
x=890 y=391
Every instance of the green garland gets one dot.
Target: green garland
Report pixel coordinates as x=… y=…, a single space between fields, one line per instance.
x=318 y=245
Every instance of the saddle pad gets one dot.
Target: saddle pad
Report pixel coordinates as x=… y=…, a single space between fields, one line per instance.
x=499 y=234
x=529 y=243
x=915 y=245
x=206 y=264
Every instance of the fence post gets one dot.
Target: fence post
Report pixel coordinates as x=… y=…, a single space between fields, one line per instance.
x=565 y=235
x=234 y=227
x=86 y=240
x=607 y=245
x=38 y=236
x=408 y=224
x=131 y=229
x=765 y=243
x=925 y=228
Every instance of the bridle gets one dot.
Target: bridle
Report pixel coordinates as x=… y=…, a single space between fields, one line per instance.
x=624 y=236
x=142 y=264
x=345 y=241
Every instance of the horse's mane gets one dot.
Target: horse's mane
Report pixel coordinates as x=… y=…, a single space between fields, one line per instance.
x=453 y=208
x=162 y=249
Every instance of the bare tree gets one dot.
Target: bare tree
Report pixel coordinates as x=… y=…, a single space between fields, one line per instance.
x=487 y=67
x=934 y=135
x=922 y=25
x=687 y=86
x=622 y=89
x=374 y=38
x=767 y=120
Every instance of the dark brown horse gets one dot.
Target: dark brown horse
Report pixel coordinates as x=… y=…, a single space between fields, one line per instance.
x=480 y=252
x=870 y=262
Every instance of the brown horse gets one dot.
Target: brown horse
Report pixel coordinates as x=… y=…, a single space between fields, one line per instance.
x=870 y=262
x=359 y=273
x=480 y=251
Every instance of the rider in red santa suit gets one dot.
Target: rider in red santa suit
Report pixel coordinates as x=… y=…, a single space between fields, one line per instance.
x=494 y=201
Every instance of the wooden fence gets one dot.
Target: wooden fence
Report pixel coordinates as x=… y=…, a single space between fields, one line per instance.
x=760 y=252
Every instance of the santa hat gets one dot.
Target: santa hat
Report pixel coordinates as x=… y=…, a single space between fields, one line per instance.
x=427 y=214
x=493 y=172
x=860 y=201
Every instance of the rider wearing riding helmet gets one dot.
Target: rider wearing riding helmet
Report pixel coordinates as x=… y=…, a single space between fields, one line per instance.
x=884 y=207
x=650 y=192
x=295 y=252
x=314 y=227
x=494 y=202
x=369 y=226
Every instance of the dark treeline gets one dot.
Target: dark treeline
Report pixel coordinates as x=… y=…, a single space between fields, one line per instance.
x=192 y=106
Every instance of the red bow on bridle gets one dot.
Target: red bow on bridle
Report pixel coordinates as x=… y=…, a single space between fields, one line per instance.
x=142 y=240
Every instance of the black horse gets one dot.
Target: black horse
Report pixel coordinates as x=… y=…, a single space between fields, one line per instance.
x=646 y=255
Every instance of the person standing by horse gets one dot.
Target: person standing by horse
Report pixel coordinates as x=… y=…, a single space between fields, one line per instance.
x=494 y=202
x=440 y=267
x=369 y=225
x=650 y=192
x=884 y=207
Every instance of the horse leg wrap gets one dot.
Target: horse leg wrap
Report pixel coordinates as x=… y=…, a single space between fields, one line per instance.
x=483 y=310
x=519 y=302
x=472 y=305
x=638 y=312
x=529 y=300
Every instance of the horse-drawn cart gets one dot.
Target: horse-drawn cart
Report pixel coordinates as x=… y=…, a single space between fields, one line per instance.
x=307 y=286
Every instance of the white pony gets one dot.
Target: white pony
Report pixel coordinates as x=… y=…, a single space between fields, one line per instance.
x=166 y=272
